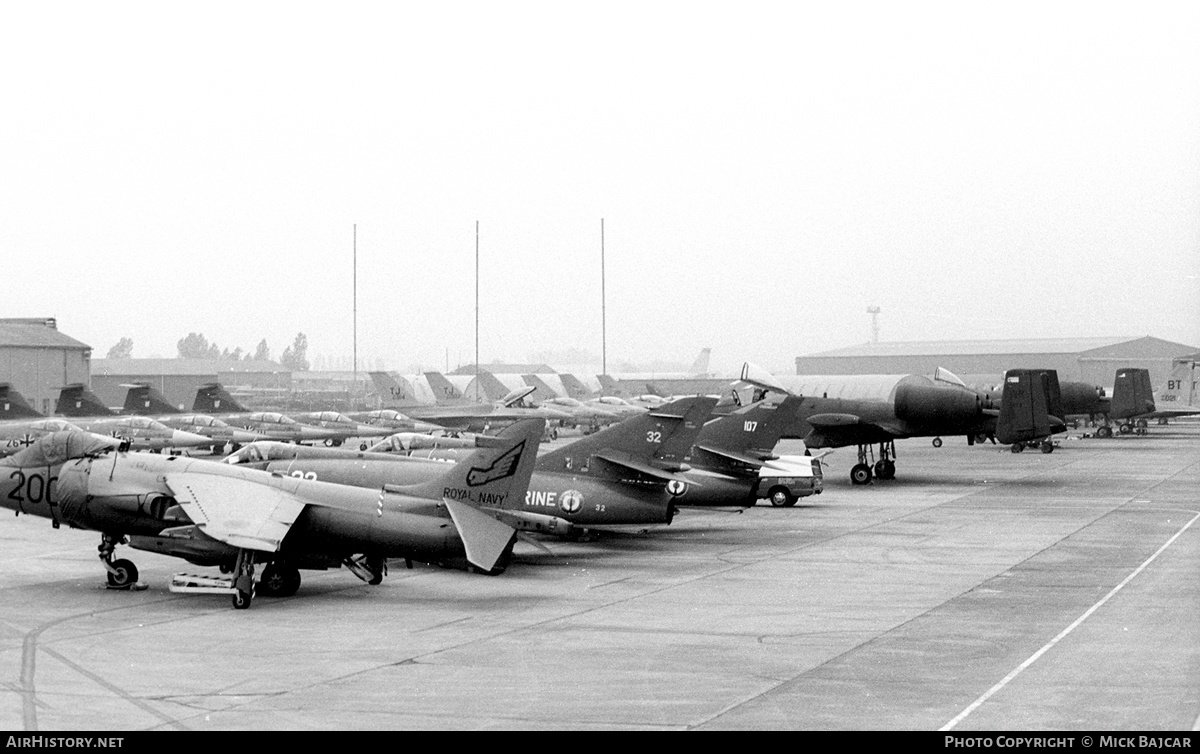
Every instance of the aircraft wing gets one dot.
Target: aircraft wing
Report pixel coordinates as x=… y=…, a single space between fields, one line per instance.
x=236 y=511
x=623 y=461
x=835 y=430
x=732 y=455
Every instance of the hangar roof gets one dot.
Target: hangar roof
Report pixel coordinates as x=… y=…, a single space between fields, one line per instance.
x=991 y=347
x=178 y=367
x=19 y=334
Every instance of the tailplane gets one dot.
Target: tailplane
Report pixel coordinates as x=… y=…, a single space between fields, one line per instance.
x=1180 y=390
x=700 y=365
x=444 y=389
x=575 y=388
x=747 y=437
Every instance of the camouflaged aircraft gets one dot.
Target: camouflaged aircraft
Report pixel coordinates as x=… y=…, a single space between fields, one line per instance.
x=217 y=514
x=448 y=407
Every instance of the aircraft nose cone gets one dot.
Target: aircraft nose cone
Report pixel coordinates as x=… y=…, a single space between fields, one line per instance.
x=181 y=439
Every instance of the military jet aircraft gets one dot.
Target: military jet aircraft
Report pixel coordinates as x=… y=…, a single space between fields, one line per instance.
x=214 y=400
x=86 y=411
x=625 y=474
x=143 y=400
x=453 y=410
x=218 y=514
x=865 y=410
x=1179 y=395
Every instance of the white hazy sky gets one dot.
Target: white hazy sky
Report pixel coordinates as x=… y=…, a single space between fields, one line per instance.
x=765 y=171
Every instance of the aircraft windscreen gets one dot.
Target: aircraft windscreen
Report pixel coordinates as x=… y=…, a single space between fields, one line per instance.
x=941 y=374
x=60 y=447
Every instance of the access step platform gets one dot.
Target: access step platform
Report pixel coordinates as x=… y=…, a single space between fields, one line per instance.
x=187 y=583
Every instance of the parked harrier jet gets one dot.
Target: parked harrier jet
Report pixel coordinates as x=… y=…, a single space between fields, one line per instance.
x=214 y=400
x=217 y=514
x=865 y=410
x=626 y=474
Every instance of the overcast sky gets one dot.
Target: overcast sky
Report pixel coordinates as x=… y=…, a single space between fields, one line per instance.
x=765 y=172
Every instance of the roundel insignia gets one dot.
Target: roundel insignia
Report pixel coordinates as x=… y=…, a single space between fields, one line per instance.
x=676 y=487
x=571 y=501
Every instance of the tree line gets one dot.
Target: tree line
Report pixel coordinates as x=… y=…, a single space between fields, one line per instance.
x=196 y=346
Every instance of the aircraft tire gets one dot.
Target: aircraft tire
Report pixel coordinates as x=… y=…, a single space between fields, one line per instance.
x=279 y=580
x=860 y=474
x=780 y=497
x=1142 y=424
x=937 y=442
x=1104 y=432
x=1017 y=447
x=1046 y=447
x=125 y=577
x=242 y=599
x=886 y=470
x=1125 y=429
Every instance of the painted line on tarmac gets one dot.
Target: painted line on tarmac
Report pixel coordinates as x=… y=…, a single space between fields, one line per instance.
x=1036 y=655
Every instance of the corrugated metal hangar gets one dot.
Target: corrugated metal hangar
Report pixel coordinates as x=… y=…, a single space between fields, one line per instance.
x=1093 y=360
x=37 y=360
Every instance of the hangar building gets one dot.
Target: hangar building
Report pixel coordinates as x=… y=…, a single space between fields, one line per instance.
x=255 y=383
x=37 y=360
x=1093 y=360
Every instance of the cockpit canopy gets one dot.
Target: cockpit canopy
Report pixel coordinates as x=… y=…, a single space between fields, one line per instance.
x=260 y=451
x=270 y=417
x=60 y=447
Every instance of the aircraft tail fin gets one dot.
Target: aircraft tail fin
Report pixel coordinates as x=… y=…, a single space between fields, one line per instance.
x=1132 y=394
x=700 y=365
x=1180 y=390
x=499 y=468
x=443 y=388
x=661 y=438
x=394 y=390
x=147 y=401
x=1024 y=414
x=13 y=405
x=752 y=431
x=213 y=398
x=542 y=391
x=487 y=384
x=77 y=399
x=609 y=386
x=575 y=388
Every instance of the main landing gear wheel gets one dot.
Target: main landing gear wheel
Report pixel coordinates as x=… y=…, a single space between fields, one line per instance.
x=243 y=580
x=885 y=469
x=1125 y=429
x=860 y=474
x=1046 y=446
x=937 y=442
x=124 y=574
x=1017 y=447
x=279 y=580
x=781 y=498
x=1104 y=431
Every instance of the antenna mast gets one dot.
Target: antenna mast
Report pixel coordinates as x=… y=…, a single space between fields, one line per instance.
x=354 y=320
x=477 y=310
x=603 y=312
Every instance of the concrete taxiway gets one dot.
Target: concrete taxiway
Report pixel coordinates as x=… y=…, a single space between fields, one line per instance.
x=979 y=590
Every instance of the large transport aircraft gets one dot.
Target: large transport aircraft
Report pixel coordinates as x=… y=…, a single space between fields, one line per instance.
x=866 y=410
x=627 y=474
x=216 y=514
